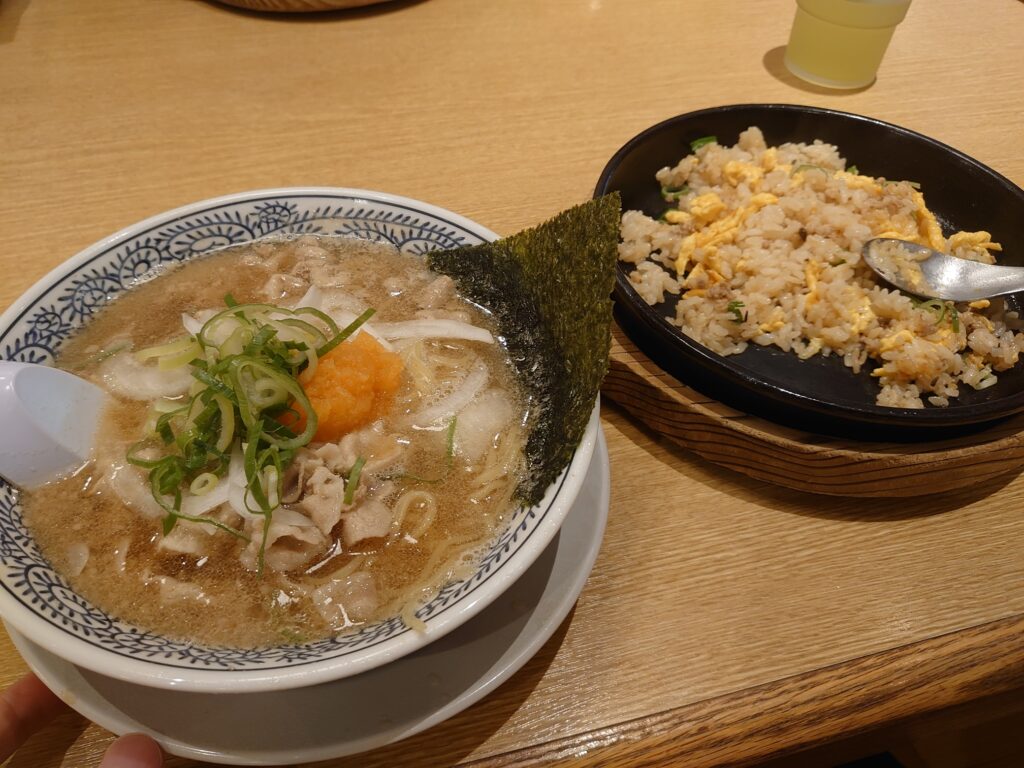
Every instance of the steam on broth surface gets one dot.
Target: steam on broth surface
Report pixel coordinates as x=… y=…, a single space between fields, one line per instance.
x=417 y=452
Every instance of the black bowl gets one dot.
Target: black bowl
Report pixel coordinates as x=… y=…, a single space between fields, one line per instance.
x=819 y=394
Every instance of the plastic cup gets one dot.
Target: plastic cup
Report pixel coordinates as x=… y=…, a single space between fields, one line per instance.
x=840 y=43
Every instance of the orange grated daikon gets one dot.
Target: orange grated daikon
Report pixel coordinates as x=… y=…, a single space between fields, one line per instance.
x=353 y=385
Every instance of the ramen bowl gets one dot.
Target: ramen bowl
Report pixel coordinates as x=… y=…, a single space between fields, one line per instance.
x=41 y=605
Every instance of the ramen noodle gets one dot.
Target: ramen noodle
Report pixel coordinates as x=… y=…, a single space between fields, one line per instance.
x=321 y=445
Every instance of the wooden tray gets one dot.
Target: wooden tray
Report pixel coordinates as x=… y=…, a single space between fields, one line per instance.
x=803 y=460
x=299 y=6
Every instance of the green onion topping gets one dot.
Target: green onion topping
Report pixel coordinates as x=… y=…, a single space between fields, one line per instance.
x=672 y=194
x=941 y=310
x=914 y=184
x=808 y=167
x=736 y=307
x=449 y=454
x=247 y=360
x=698 y=143
x=352 y=483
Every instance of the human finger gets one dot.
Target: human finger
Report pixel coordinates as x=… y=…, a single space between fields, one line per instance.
x=25 y=707
x=133 y=750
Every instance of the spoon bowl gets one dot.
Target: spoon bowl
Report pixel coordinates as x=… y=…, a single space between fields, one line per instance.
x=925 y=272
x=49 y=419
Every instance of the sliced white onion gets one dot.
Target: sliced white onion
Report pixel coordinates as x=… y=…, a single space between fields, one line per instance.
x=480 y=423
x=196 y=506
x=235 y=488
x=128 y=484
x=456 y=401
x=287 y=516
x=313 y=298
x=192 y=324
x=125 y=375
x=236 y=485
x=78 y=556
x=433 y=329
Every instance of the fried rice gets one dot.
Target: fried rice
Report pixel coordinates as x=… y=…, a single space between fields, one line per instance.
x=762 y=245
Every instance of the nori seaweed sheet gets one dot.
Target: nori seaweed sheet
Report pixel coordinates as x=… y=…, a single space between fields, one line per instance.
x=549 y=289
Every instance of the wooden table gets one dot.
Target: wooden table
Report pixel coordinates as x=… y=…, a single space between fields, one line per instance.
x=727 y=620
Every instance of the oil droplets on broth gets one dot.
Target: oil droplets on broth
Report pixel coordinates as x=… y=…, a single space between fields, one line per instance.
x=417 y=452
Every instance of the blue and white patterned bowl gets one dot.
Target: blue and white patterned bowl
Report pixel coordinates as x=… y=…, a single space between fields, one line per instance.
x=39 y=603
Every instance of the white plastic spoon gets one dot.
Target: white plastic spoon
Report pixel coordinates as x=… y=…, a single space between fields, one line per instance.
x=48 y=420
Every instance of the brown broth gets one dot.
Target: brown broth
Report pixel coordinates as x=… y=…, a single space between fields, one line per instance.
x=223 y=602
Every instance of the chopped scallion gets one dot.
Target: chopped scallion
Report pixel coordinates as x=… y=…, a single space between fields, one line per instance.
x=352 y=483
x=804 y=167
x=246 y=360
x=736 y=308
x=914 y=184
x=671 y=194
x=345 y=333
x=449 y=455
x=702 y=141
x=103 y=354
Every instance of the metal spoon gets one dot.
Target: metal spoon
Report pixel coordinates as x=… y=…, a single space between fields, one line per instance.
x=49 y=419
x=935 y=275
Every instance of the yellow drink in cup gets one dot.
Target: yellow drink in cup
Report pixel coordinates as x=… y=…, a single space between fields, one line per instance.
x=840 y=43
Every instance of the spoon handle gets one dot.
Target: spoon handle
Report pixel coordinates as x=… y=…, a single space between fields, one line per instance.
x=985 y=280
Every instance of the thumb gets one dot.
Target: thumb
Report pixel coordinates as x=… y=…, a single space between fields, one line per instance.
x=134 y=750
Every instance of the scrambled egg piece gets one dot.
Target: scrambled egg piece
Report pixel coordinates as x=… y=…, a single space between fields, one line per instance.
x=776 y=321
x=811 y=271
x=855 y=181
x=719 y=232
x=736 y=173
x=678 y=217
x=899 y=339
x=925 y=229
x=701 y=278
x=813 y=347
x=714 y=226
x=706 y=207
x=929 y=229
x=861 y=316
x=973 y=240
x=891 y=230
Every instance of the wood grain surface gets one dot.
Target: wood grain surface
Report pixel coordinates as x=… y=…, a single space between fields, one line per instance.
x=299 y=6
x=727 y=619
x=799 y=459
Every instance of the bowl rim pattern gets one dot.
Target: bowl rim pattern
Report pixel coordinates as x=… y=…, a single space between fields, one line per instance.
x=40 y=604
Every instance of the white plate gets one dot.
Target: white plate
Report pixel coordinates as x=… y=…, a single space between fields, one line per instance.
x=369 y=710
